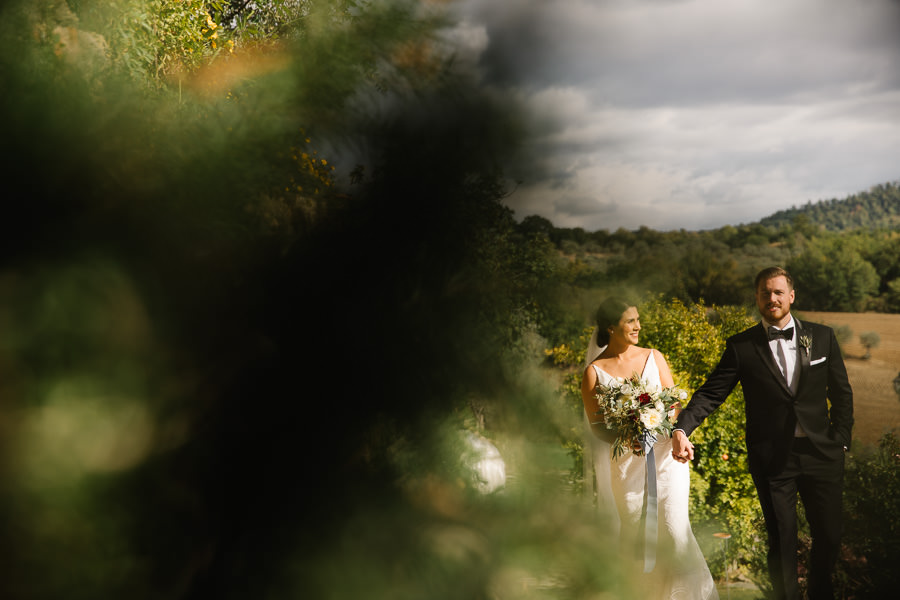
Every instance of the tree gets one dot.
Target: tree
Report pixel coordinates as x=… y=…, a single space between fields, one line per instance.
x=885 y=257
x=869 y=340
x=534 y=224
x=709 y=273
x=892 y=295
x=829 y=276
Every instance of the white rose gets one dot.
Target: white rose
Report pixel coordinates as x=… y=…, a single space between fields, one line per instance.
x=651 y=418
x=682 y=395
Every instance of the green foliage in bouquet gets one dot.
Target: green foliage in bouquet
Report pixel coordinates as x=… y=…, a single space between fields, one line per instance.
x=634 y=410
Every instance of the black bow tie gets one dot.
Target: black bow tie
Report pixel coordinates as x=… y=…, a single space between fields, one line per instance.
x=787 y=334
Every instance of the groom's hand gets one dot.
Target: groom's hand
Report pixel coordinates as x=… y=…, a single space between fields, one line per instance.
x=682 y=448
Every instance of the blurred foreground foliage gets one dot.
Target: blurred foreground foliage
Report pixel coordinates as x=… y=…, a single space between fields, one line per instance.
x=223 y=376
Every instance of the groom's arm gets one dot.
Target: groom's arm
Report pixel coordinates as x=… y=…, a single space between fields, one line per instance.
x=706 y=400
x=713 y=392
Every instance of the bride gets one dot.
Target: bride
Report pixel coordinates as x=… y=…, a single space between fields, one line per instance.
x=666 y=544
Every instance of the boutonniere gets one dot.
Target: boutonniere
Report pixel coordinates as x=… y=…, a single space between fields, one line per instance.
x=806 y=342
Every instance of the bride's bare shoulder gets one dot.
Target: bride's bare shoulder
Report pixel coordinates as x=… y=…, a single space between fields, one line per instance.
x=597 y=362
x=657 y=354
x=601 y=363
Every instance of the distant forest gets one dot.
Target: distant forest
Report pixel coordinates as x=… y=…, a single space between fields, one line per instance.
x=844 y=255
x=876 y=209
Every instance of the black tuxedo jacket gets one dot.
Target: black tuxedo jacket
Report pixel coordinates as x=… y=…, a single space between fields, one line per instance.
x=772 y=410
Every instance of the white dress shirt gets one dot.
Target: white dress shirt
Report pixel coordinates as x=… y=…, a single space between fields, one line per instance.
x=785 y=354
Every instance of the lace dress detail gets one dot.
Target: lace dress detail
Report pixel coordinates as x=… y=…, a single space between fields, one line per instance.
x=681 y=572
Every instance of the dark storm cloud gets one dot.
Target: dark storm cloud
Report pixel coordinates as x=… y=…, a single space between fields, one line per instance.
x=701 y=112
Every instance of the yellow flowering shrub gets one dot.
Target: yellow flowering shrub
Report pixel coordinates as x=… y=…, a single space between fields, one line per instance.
x=157 y=39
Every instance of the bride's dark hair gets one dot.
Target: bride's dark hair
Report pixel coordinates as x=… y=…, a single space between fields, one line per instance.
x=608 y=314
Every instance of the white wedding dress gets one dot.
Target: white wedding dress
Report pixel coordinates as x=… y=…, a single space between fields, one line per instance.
x=680 y=571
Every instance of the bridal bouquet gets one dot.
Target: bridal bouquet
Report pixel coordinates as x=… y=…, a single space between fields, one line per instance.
x=637 y=412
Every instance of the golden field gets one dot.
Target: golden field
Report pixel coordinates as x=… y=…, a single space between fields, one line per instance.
x=876 y=404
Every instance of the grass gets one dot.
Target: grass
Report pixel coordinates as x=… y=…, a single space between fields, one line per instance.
x=733 y=593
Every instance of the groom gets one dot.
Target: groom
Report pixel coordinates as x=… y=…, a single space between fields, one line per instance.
x=795 y=444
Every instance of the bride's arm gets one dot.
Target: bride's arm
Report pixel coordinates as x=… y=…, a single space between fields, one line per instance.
x=665 y=375
x=591 y=404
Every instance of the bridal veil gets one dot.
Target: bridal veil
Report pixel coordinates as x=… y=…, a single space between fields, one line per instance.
x=597 y=453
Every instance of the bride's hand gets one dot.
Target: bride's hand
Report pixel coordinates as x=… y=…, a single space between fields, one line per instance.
x=682 y=448
x=676 y=410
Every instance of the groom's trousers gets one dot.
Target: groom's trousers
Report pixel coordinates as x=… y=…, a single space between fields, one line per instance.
x=818 y=480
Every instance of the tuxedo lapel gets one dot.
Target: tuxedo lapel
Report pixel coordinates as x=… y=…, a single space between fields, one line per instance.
x=761 y=343
x=802 y=353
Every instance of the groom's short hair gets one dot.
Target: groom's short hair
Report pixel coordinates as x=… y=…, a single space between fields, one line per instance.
x=771 y=273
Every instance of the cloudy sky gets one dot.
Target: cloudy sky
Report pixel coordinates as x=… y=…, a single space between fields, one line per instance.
x=693 y=113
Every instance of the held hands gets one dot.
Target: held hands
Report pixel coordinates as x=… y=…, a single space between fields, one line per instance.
x=682 y=448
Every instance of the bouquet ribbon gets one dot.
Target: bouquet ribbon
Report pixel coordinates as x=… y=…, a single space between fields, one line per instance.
x=651 y=527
